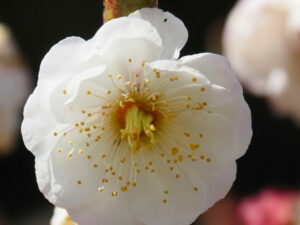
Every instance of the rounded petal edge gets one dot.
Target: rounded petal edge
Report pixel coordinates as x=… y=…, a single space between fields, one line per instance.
x=172 y=31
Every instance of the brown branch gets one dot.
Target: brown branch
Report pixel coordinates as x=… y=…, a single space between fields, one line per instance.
x=118 y=8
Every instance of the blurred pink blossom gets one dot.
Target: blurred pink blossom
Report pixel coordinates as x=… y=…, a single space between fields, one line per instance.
x=270 y=207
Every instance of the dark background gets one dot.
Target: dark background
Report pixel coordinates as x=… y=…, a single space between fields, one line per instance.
x=273 y=156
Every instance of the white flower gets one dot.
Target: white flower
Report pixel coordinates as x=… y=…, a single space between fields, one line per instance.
x=123 y=133
x=61 y=217
x=262 y=41
x=14 y=88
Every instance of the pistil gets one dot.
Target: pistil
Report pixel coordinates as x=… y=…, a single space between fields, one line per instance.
x=139 y=128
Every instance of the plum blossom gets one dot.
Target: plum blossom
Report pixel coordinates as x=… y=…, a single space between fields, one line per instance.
x=126 y=133
x=261 y=40
x=14 y=88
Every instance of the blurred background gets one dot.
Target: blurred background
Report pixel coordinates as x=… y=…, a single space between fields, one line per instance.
x=272 y=161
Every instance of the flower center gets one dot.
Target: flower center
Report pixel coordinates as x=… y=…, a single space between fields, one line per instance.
x=138 y=127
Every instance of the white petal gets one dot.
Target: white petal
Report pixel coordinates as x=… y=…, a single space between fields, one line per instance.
x=161 y=198
x=204 y=129
x=70 y=97
x=72 y=167
x=220 y=183
x=131 y=59
x=125 y=28
x=113 y=212
x=171 y=30
x=217 y=69
x=63 y=59
x=239 y=114
x=183 y=86
x=37 y=125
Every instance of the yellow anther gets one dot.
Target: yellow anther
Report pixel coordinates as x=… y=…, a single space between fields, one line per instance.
x=130 y=60
x=119 y=77
x=80 y=151
x=114 y=193
x=194 y=146
x=100 y=189
x=152 y=127
x=79 y=182
x=194 y=79
x=180 y=158
x=105 y=180
x=64 y=92
x=88 y=92
x=124 y=188
x=187 y=134
x=174 y=150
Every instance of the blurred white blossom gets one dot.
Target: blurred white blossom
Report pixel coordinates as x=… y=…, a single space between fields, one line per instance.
x=14 y=89
x=125 y=133
x=262 y=41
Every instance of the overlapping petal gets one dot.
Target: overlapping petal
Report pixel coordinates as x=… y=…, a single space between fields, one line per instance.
x=171 y=30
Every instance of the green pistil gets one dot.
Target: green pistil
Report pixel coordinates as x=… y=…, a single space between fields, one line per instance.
x=139 y=129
